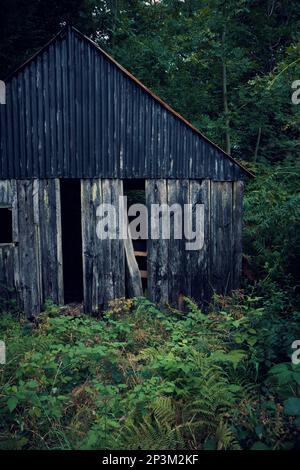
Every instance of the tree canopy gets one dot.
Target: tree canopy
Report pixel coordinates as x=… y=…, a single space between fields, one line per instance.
x=227 y=66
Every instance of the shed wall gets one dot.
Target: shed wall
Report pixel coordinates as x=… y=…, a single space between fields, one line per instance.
x=217 y=266
x=36 y=268
x=103 y=260
x=33 y=264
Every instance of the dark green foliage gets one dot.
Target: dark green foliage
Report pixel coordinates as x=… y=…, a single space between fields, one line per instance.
x=272 y=224
x=8 y=301
x=27 y=25
x=272 y=254
x=144 y=377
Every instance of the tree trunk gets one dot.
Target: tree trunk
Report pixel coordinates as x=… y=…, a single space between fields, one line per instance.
x=257 y=143
x=225 y=96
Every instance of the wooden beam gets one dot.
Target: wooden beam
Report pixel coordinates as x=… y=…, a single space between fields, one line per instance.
x=140 y=253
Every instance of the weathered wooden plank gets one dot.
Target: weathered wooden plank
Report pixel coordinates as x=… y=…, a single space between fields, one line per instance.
x=60 y=277
x=29 y=246
x=9 y=262
x=133 y=275
x=107 y=275
x=103 y=259
x=117 y=245
x=199 y=266
x=50 y=240
x=142 y=254
x=90 y=199
x=178 y=269
x=133 y=281
x=221 y=236
x=7 y=267
x=158 y=249
x=6 y=193
x=15 y=234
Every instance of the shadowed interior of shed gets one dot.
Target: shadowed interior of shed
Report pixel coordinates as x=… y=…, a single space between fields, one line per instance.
x=71 y=240
x=134 y=189
x=5 y=225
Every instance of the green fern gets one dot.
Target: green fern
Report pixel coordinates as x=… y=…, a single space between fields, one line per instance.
x=164 y=411
x=152 y=434
x=225 y=438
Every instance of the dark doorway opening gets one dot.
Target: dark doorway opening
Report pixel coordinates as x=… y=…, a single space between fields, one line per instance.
x=71 y=240
x=135 y=191
x=6 y=225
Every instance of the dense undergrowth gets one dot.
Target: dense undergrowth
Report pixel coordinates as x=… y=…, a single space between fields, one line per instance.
x=148 y=378
x=152 y=377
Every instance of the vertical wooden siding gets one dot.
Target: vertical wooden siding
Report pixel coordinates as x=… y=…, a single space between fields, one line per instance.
x=29 y=246
x=103 y=260
x=50 y=240
x=34 y=263
x=217 y=266
x=71 y=112
x=36 y=252
x=199 y=262
x=158 y=253
x=7 y=267
x=9 y=253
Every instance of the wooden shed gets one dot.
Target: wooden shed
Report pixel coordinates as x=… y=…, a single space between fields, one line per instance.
x=78 y=129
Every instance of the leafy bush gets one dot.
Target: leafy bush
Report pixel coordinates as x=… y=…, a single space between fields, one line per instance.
x=272 y=231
